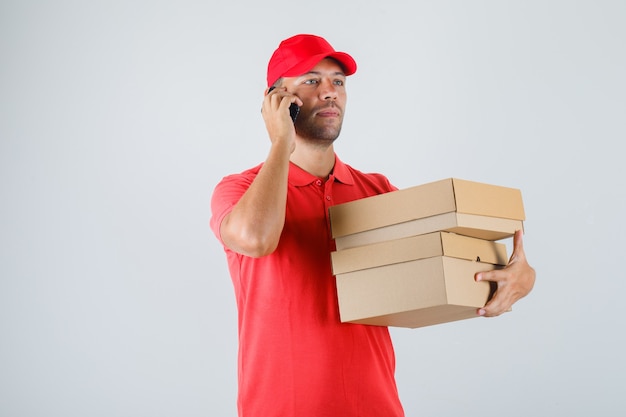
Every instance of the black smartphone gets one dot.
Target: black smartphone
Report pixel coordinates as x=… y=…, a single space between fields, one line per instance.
x=293 y=108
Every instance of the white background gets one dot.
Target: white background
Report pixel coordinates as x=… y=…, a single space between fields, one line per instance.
x=117 y=118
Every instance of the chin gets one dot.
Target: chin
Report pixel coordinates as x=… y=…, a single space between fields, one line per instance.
x=318 y=133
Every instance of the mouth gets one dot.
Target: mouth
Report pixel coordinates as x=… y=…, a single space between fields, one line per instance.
x=330 y=111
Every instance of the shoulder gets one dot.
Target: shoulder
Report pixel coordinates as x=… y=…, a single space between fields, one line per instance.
x=374 y=180
x=230 y=188
x=239 y=179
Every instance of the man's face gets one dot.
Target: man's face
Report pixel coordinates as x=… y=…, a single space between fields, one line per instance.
x=323 y=93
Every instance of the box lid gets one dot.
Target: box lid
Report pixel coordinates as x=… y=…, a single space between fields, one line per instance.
x=482 y=227
x=444 y=196
x=418 y=247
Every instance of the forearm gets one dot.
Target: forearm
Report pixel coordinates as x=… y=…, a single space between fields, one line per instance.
x=256 y=222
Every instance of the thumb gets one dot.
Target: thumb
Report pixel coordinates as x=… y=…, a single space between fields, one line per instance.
x=518 y=246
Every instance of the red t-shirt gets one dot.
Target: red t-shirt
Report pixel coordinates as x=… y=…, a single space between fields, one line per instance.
x=296 y=359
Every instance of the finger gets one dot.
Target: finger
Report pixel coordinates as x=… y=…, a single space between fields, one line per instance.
x=271 y=89
x=518 y=243
x=488 y=309
x=285 y=102
x=499 y=303
x=292 y=98
x=266 y=99
x=273 y=100
x=494 y=275
x=493 y=309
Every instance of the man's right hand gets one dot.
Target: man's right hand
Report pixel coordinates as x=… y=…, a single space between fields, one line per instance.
x=278 y=122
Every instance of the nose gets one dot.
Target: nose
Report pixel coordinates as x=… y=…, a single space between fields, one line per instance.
x=328 y=90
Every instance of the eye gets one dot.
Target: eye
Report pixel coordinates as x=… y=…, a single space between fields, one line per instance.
x=310 y=81
x=338 y=82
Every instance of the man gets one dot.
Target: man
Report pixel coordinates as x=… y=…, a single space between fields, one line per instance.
x=295 y=356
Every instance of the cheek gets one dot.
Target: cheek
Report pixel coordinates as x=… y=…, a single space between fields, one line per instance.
x=342 y=98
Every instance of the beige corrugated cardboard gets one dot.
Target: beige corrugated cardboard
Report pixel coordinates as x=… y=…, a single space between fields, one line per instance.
x=423 y=201
x=413 y=294
x=483 y=227
x=418 y=247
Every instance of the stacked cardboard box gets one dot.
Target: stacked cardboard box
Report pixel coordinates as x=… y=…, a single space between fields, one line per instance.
x=408 y=258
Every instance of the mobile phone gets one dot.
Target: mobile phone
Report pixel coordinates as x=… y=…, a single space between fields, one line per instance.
x=293 y=108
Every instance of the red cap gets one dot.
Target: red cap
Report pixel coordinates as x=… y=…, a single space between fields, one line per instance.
x=299 y=54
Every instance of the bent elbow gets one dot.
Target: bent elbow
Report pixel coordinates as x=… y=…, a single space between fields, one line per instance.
x=250 y=244
x=252 y=239
x=258 y=247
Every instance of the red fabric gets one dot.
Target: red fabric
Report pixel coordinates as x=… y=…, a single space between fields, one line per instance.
x=298 y=54
x=296 y=359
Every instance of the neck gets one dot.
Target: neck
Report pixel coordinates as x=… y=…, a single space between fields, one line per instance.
x=315 y=160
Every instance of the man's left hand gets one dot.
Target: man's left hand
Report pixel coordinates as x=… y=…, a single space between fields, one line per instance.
x=513 y=282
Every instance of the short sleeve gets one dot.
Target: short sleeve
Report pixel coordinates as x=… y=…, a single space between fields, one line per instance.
x=225 y=195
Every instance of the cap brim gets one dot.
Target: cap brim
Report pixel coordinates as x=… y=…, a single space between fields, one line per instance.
x=348 y=64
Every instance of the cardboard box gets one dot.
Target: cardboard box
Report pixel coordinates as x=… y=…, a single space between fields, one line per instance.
x=413 y=294
x=483 y=227
x=465 y=207
x=418 y=247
